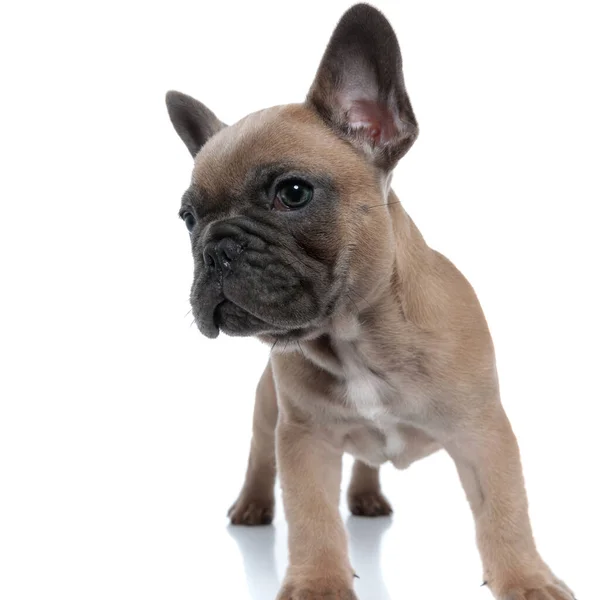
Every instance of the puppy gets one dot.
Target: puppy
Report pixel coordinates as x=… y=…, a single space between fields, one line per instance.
x=379 y=346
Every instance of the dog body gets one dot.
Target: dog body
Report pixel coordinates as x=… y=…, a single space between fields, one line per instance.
x=379 y=345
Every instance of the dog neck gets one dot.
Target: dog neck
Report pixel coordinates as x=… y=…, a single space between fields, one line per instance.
x=382 y=314
x=403 y=289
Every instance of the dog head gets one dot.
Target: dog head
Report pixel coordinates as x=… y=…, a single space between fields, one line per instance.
x=279 y=207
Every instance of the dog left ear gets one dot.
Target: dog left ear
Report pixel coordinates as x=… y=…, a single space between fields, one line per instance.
x=194 y=122
x=359 y=87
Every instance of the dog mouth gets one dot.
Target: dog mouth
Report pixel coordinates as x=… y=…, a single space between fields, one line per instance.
x=271 y=303
x=233 y=320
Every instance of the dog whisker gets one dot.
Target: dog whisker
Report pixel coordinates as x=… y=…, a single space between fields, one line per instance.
x=362 y=298
x=300 y=348
x=298 y=259
x=378 y=205
x=353 y=302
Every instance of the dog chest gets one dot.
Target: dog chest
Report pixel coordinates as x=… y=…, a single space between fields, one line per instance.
x=380 y=439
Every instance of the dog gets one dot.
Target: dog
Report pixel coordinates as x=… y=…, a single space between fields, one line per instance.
x=379 y=346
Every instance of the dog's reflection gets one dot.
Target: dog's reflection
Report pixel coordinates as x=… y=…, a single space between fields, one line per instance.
x=257 y=546
x=365 y=535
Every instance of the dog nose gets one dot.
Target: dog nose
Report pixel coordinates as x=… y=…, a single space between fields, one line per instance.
x=220 y=254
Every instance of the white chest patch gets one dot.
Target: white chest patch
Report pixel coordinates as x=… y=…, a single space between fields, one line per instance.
x=365 y=392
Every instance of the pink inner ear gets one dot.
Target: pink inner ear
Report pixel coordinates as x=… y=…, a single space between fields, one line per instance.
x=376 y=120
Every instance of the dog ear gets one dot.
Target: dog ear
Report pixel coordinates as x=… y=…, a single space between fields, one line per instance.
x=359 y=87
x=194 y=123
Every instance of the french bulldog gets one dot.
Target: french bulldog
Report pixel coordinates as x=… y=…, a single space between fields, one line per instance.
x=379 y=346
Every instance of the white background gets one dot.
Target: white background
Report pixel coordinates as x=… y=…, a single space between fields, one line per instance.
x=124 y=433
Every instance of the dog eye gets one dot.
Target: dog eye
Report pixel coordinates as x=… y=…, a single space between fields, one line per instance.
x=292 y=194
x=189 y=219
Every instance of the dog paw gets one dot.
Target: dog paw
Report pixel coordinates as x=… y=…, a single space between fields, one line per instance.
x=553 y=589
x=369 y=504
x=251 y=511
x=308 y=591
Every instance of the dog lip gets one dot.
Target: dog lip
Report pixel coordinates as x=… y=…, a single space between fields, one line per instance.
x=210 y=330
x=292 y=335
x=207 y=324
x=216 y=315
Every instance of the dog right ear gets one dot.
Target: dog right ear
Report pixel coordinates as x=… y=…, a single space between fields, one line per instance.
x=359 y=87
x=194 y=123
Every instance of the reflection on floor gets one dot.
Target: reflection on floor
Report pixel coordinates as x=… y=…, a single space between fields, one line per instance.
x=257 y=547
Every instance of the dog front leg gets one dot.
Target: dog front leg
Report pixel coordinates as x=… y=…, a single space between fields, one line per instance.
x=256 y=501
x=488 y=463
x=310 y=464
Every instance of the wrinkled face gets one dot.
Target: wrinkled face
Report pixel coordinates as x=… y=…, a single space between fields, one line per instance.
x=280 y=208
x=282 y=233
